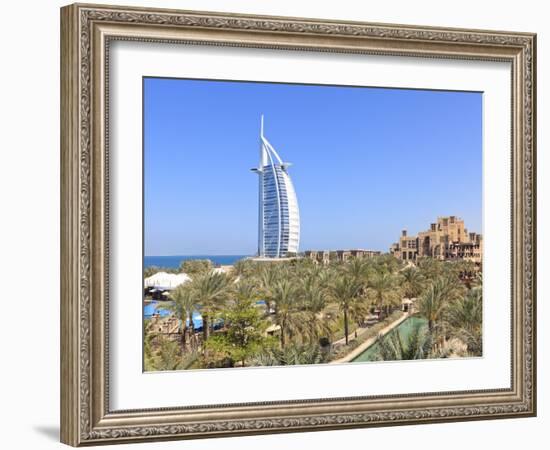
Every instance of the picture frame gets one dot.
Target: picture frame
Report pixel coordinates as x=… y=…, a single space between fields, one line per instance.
x=87 y=32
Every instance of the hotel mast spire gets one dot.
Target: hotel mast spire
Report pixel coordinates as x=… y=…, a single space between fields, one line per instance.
x=278 y=214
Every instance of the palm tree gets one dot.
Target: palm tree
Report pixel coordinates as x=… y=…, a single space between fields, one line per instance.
x=344 y=291
x=148 y=356
x=196 y=267
x=211 y=291
x=393 y=347
x=268 y=275
x=383 y=289
x=245 y=268
x=465 y=317
x=287 y=312
x=325 y=276
x=168 y=356
x=246 y=290
x=387 y=263
x=430 y=268
x=477 y=283
x=436 y=299
x=291 y=355
x=358 y=310
x=413 y=282
x=314 y=302
x=184 y=305
x=357 y=268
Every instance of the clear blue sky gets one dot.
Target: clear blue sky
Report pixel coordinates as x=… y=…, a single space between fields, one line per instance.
x=367 y=162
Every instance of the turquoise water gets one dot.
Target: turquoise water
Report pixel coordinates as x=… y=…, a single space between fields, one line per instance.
x=173 y=262
x=405 y=328
x=153 y=307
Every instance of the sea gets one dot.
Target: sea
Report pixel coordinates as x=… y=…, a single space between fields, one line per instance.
x=174 y=261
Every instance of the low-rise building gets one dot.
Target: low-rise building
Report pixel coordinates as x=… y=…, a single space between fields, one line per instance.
x=164 y=328
x=446 y=239
x=325 y=256
x=319 y=256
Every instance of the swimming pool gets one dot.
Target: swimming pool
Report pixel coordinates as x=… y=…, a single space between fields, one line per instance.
x=153 y=308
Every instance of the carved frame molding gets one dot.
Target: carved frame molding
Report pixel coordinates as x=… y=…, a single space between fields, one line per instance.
x=86 y=31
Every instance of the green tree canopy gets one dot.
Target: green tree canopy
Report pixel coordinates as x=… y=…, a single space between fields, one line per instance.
x=194 y=267
x=244 y=334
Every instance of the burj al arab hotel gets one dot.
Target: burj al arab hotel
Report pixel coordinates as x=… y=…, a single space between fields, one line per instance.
x=278 y=214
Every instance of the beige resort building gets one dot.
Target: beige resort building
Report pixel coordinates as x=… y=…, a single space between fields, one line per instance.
x=447 y=240
x=325 y=256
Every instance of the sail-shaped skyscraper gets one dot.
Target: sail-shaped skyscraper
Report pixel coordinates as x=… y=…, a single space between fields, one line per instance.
x=278 y=213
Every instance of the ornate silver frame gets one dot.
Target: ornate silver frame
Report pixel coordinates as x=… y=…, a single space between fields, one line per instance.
x=86 y=31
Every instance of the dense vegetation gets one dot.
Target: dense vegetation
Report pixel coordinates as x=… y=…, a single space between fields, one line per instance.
x=298 y=312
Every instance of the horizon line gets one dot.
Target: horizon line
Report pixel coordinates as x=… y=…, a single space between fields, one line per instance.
x=253 y=254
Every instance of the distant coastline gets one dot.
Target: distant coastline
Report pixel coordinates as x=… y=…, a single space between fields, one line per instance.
x=174 y=261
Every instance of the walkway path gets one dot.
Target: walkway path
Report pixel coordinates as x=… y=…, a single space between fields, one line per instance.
x=351 y=336
x=361 y=348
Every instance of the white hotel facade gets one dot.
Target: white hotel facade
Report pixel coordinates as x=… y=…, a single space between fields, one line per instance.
x=278 y=213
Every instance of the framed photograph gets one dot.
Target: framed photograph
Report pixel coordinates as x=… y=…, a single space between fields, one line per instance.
x=275 y=224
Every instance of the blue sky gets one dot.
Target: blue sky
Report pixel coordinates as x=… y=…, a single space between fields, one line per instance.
x=367 y=162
